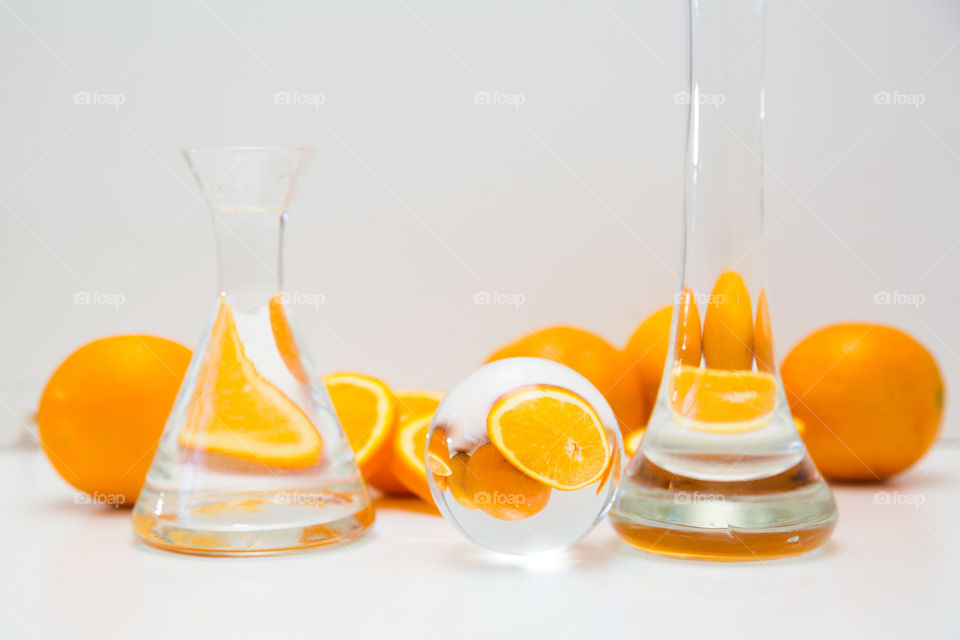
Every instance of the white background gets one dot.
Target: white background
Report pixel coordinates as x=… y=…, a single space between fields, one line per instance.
x=418 y=198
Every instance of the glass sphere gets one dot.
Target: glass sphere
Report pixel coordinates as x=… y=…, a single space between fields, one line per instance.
x=524 y=455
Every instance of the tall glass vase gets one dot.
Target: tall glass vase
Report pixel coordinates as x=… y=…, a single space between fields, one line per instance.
x=722 y=472
x=252 y=459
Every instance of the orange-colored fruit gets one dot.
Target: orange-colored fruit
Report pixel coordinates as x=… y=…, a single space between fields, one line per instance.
x=605 y=366
x=612 y=471
x=632 y=444
x=801 y=427
x=550 y=434
x=103 y=410
x=410 y=444
x=763 y=336
x=647 y=347
x=284 y=338
x=237 y=413
x=728 y=325
x=409 y=402
x=688 y=348
x=870 y=397
x=438 y=456
x=456 y=481
x=365 y=407
x=499 y=489
x=722 y=401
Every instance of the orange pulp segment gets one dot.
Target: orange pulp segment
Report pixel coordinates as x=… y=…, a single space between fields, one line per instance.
x=238 y=413
x=365 y=407
x=722 y=401
x=550 y=434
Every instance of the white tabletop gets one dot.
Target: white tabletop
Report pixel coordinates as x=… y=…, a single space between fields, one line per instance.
x=891 y=570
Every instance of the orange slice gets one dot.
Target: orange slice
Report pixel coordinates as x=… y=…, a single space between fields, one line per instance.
x=238 y=413
x=763 y=336
x=284 y=339
x=612 y=471
x=727 y=341
x=551 y=434
x=438 y=453
x=409 y=447
x=722 y=401
x=410 y=403
x=365 y=407
x=499 y=489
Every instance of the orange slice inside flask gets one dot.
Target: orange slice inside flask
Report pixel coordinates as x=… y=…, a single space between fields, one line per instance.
x=236 y=412
x=722 y=401
x=727 y=340
x=284 y=339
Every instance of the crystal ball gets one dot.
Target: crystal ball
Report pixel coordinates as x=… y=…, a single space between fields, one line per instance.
x=524 y=455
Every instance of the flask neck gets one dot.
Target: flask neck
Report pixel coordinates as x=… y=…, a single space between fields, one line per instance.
x=250 y=255
x=724 y=179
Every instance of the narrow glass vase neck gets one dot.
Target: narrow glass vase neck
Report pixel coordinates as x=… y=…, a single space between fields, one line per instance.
x=250 y=256
x=724 y=180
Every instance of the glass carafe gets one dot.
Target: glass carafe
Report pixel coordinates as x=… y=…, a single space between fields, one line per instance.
x=252 y=459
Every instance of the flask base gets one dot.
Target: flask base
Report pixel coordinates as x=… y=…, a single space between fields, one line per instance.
x=273 y=522
x=787 y=514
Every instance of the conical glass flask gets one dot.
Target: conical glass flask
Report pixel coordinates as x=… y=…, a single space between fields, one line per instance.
x=722 y=472
x=252 y=459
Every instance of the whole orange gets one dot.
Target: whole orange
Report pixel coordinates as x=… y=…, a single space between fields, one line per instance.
x=605 y=366
x=870 y=397
x=103 y=410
